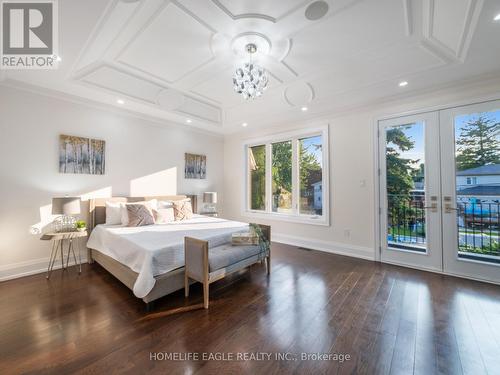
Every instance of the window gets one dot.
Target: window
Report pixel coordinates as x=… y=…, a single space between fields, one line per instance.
x=282 y=176
x=287 y=176
x=257 y=167
x=471 y=180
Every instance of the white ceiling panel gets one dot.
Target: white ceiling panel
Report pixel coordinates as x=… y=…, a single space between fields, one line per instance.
x=275 y=9
x=172 y=44
x=122 y=83
x=198 y=109
x=362 y=27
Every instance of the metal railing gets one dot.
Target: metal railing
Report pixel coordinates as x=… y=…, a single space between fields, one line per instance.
x=406 y=222
x=478 y=226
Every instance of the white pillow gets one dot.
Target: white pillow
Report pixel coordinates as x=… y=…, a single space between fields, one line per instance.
x=164 y=215
x=152 y=204
x=113 y=213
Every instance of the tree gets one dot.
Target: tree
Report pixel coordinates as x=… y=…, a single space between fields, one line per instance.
x=399 y=170
x=478 y=143
x=258 y=177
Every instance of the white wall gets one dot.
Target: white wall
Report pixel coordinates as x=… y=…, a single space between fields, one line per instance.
x=352 y=170
x=142 y=158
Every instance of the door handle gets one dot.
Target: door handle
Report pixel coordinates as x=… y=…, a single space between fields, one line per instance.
x=449 y=209
x=433 y=207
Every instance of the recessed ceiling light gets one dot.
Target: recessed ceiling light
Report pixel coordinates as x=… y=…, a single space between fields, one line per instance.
x=120 y=101
x=497 y=17
x=244 y=124
x=304 y=109
x=403 y=84
x=189 y=121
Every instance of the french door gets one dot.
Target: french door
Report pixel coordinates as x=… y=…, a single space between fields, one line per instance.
x=440 y=191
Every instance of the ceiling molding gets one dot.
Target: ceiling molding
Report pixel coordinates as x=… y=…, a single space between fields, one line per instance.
x=119 y=58
x=408 y=11
x=215 y=119
x=243 y=16
x=302 y=89
x=432 y=42
x=99 y=105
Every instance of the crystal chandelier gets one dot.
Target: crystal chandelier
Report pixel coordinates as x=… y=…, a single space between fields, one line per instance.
x=251 y=80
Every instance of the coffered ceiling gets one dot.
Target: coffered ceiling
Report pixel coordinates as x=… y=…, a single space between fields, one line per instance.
x=174 y=59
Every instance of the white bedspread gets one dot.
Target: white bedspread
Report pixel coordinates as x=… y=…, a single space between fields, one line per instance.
x=156 y=249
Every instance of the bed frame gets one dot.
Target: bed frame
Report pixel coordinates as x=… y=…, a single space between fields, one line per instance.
x=165 y=283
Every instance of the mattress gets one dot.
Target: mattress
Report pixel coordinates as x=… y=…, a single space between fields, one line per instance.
x=156 y=249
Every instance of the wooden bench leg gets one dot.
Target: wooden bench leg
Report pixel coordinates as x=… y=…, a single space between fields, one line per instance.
x=186 y=285
x=206 y=286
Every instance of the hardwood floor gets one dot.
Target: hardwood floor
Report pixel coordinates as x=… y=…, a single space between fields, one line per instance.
x=388 y=319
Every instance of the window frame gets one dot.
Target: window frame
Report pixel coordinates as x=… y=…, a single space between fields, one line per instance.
x=295 y=216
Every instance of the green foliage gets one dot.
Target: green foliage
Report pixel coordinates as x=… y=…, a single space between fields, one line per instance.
x=310 y=169
x=264 y=243
x=80 y=224
x=478 y=144
x=493 y=249
x=400 y=172
x=258 y=178
x=309 y=166
x=282 y=167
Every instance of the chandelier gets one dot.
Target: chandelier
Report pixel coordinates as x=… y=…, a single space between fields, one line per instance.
x=250 y=80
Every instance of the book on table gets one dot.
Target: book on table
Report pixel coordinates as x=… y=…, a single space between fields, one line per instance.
x=245 y=239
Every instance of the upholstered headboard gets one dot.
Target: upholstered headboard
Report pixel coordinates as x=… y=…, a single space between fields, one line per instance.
x=97 y=206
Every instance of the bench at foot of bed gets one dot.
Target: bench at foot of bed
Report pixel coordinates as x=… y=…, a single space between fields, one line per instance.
x=208 y=265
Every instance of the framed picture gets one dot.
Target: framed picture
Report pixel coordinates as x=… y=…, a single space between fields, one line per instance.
x=195 y=166
x=81 y=155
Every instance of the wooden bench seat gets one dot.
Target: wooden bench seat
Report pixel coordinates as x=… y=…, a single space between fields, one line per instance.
x=208 y=265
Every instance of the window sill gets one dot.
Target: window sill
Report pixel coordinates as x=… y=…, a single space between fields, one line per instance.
x=319 y=220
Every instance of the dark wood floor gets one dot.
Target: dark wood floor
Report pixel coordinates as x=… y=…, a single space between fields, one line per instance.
x=388 y=319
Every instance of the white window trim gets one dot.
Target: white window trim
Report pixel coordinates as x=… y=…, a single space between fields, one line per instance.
x=323 y=220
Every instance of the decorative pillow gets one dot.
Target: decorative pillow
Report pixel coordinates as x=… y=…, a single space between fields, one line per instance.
x=113 y=213
x=124 y=213
x=139 y=215
x=164 y=204
x=164 y=215
x=183 y=209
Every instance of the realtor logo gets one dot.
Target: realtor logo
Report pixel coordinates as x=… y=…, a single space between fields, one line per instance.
x=29 y=34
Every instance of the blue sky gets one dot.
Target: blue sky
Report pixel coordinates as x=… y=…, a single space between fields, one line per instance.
x=416 y=133
x=308 y=144
x=460 y=121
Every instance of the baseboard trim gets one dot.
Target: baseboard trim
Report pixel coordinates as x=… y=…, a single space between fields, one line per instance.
x=30 y=267
x=326 y=246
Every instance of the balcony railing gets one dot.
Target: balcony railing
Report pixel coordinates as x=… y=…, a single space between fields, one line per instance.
x=478 y=226
x=479 y=230
x=406 y=222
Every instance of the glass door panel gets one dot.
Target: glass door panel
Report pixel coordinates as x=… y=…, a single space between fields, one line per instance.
x=405 y=186
x=409 y=188
x=471 y=190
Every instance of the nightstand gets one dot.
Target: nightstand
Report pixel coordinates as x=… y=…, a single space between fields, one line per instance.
x=211 y=214
x=58 y=239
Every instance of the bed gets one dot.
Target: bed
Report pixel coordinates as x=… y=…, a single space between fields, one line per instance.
x=149 y=260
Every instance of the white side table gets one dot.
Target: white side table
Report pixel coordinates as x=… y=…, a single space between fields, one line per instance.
x=58 y=239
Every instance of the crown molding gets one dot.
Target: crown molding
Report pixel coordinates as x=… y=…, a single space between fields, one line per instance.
x=152 y=120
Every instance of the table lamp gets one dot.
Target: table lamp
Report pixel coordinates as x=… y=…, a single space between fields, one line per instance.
x=66 y=207
x=210 y=200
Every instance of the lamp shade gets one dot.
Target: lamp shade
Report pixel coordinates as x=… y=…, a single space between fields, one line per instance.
x=66 y=206
x=210 y=197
